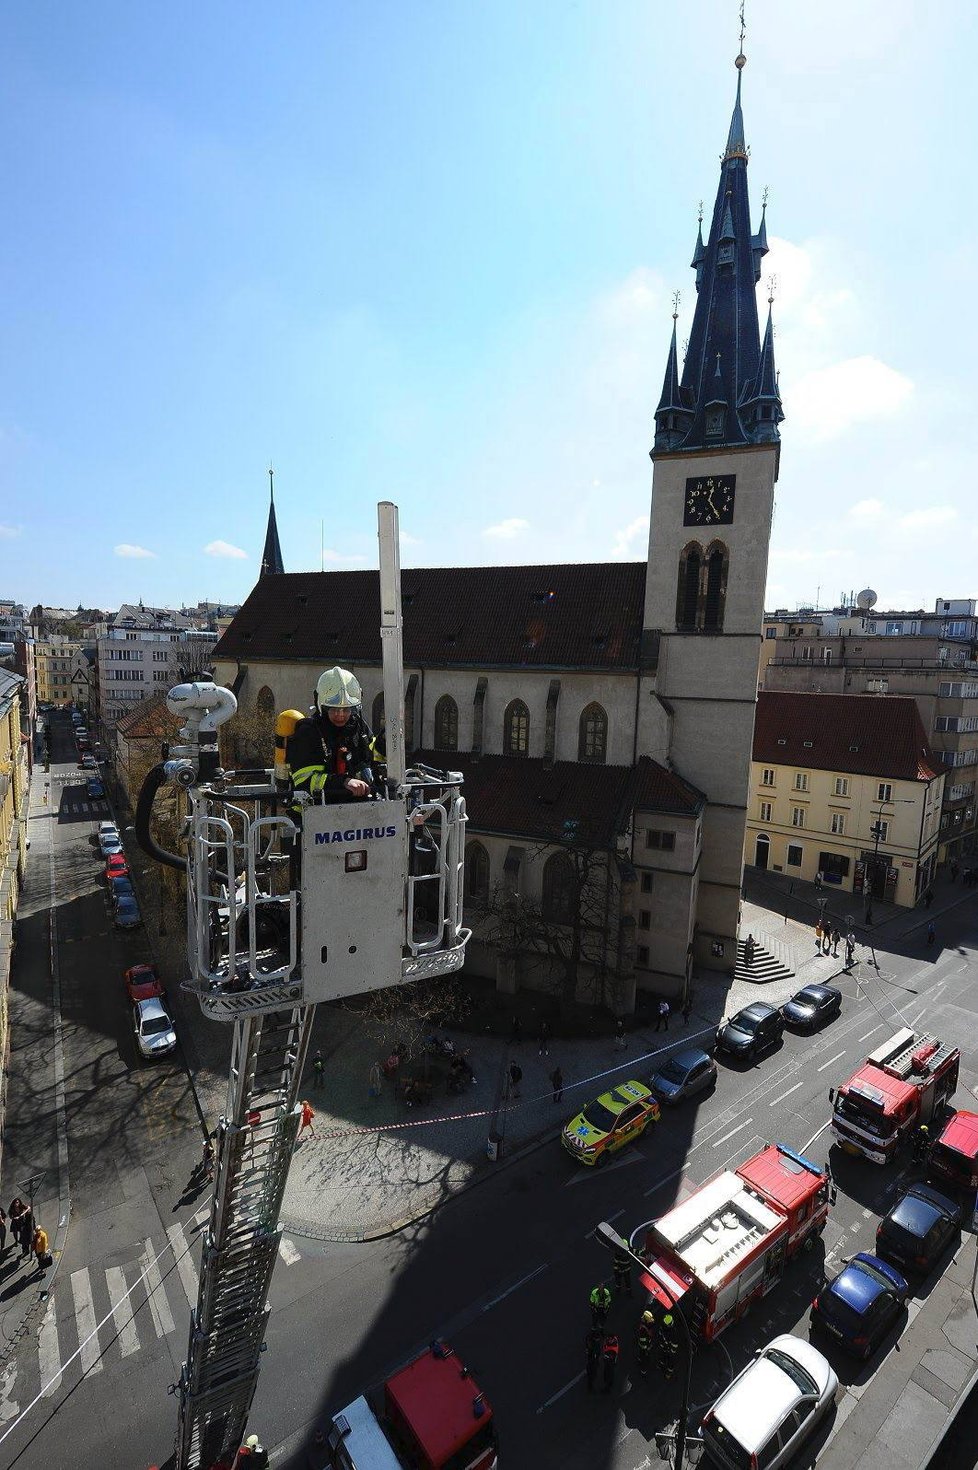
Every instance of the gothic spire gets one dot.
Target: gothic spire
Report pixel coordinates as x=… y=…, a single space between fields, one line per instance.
x=671 y=418
x=271 y=558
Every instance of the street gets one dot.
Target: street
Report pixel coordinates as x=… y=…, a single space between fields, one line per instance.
x=502 y=1271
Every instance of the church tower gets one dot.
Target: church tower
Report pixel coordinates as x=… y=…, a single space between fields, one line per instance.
x=715 y=454
x=271 y=557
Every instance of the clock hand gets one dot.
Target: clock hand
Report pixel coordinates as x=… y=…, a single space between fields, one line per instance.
x=709 y=501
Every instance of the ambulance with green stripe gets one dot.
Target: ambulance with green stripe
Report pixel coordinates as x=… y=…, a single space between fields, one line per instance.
x=613 y=1120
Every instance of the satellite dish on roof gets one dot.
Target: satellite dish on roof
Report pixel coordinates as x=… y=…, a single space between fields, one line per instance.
x=866 y=598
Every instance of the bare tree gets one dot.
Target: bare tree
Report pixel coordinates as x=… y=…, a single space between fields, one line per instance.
x=404 y=1017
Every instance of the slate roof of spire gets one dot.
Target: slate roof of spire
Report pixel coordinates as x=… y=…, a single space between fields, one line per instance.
x=271 y=557
x=861 y=734
x=725 y=323
x=573 y=616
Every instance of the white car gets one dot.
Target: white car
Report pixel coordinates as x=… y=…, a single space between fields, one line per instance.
x=771 y=1407
x=109 y=840
x=155 y=1036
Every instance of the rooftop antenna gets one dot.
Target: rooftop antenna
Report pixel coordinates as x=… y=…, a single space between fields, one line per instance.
x=322 y=546
x=741 y=58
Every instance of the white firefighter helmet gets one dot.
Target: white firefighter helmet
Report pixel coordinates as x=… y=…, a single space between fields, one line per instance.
x=337 y=688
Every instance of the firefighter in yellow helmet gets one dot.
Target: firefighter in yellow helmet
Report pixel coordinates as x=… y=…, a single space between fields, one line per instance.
x=332 y=754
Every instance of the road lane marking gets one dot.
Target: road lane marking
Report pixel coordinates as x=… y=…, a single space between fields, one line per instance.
x=155 y=1295
x=913 y=1021
x=560 y=1392
x=664 y=1180
x=48 y=1353
x=590 y=1171
x=81 y=1290
x=873 y=1032
x=121 y=1301
x=830 y=1061
x=774 y=1101
x=738 y=1129
x=185 y=1265
x=515 y=1286
x=288 y=1251
x=806 y=1146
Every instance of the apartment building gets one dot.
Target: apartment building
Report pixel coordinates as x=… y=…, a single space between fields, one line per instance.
x=145 y=650
x=58 y=661
x=847 y=786
x=14 y=786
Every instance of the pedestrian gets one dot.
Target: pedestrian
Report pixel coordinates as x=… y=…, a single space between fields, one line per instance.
x=21 y=1223
x=836 y=936
x=609 y=1362
x=827 y=939
x=306 y=1120
x=516 y=1035
x=928 y=898
x=593 y=1347
x=921 y=1143
x=622 y=1268
x=39 y=1245
x=544 y=1039
x=931 y=932
x=621 y=1041
x=646 y=1342
x=954 y=872
x=850 y=953
x=818 y=881
x=600 y=1300
x=557 y=1083
x=687 y=1008
x=3 y=1233
x=207 y=1160
x=318 y=1069
x=662 y=1015
x=515 y=1078
x=818 y=936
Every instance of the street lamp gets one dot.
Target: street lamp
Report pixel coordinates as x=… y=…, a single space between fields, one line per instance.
x=876 y=832
x=617 y=1242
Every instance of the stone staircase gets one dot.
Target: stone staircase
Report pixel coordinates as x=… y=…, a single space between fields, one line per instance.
x=773 y=960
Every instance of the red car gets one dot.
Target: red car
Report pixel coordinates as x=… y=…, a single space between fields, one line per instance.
x=116 y=867
x=143 y=983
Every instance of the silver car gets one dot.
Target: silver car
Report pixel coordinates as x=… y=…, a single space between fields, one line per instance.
x=155 y=1036
x=771 y=1407
x=690 y=1071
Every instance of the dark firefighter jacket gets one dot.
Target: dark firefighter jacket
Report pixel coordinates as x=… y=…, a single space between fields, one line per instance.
x=322 y=757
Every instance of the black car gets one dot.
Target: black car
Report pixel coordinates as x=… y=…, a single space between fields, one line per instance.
x=918 y=1228
x=812 y=1006
x=754 y=1029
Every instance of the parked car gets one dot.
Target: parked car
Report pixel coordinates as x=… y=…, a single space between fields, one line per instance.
x=87 y=762
x=684 y=1075
x=116 y=866
x=812 y=1006
x=153 y=1028
x=143 y=983
x=751 y=1031
x=860 y=1306
x=918 y=1228
x=96 y=790
x=120 y=886
x=109 y=844
x=126 y=914
x=772 y=1406
x=615 y=1118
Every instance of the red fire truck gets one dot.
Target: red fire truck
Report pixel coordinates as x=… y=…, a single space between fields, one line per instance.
x=953 y=1160
x=430 y=1415
x=903 y=1083
x=727 y=1244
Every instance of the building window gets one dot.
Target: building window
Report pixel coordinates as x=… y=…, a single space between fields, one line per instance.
x=516 y=728
x=592 y=738
x=767 y=776
x=881 y=830
x=688 y=591
x=476 y=872
x=715 y=588
x=884 y=791
x=765 y=811
x=770 y=632
x=265 y=703
x=838 y=824
x=646 y=882
x=826 y=655
x=794 y=855
x=558 y=889
x=842 y=785
x=797 y=816
x=446 y=723
x=661 y=841
x=642 y=956
x=645 y=918
x=801 y=780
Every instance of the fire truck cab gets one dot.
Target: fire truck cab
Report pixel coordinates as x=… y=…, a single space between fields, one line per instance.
x=953 y=1160
x=728 y=1243
x=901 y=1084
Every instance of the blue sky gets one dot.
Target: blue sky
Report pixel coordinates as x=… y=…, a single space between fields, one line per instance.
x=425 y=252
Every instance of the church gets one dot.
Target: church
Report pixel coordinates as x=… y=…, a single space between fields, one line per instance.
x=602 y=714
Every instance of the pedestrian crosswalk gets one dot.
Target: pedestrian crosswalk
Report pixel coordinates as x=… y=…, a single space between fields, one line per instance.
x=97 y=1318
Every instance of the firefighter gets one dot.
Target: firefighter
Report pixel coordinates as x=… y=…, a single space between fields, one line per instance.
x=646 y=1341
x=600 y=1300
x=668 y=1346
x=331 y=754
x=593 y=1346
x=623 y=1273
x=609 y=1362
x=921 y=1143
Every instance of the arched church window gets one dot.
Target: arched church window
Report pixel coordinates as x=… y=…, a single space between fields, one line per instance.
x=592 y=737
x=557 y=903
x=265 y=703
x=476 y=872
x=688 y=591
x=714 y=588
x=516 y=728
x=446 y=723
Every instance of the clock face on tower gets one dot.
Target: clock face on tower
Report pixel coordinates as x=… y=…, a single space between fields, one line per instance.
x=709 y=500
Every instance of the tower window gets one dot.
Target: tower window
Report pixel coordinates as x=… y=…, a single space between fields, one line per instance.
x=702 y=588
x=687 y=599
x=715 y=590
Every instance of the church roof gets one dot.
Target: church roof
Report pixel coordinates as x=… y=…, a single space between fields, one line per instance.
x=511 y=796
x=564 y=616
x=861 y=734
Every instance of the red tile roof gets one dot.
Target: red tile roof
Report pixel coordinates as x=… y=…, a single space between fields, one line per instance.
x=516 y=797
x=580 y=616
x=864 y=734
x=149 y=720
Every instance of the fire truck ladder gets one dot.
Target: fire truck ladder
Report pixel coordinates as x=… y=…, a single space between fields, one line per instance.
x=256 y=1137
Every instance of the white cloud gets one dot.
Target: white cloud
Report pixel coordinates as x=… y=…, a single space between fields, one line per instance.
x=808 y=556
x=923 y=520
x=866 y=511
x=133 y=551
x=631 y=540
x=827 y=401
x=408 y=540
x=8 y=533
x=224 y=548
x=337 y=559
x=506 y=530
